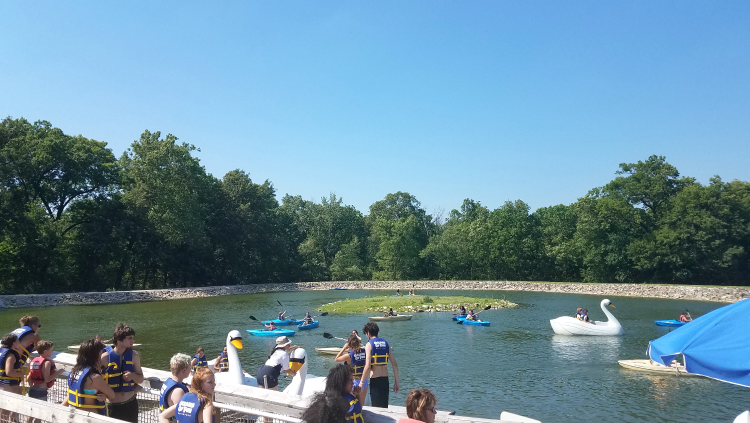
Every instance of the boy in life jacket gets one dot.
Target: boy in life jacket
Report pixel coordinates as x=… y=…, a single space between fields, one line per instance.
x=173 y=388
x=42 y=371
x=377 y=355
x=222 y=361
x=122 y=374
x=199 y=359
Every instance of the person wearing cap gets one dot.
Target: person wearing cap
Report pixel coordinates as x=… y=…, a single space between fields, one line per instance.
x=278 y=360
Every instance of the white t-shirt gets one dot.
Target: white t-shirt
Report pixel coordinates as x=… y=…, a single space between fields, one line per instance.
x=279 y=357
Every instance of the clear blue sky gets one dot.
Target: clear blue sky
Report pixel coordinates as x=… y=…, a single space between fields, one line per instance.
x=489 y=100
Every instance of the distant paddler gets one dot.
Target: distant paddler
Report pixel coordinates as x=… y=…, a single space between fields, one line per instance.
x=308 y=320
x=473 y=316
x=390 y=313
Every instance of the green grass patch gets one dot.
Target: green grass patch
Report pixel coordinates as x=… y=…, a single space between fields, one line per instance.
x=406 y=304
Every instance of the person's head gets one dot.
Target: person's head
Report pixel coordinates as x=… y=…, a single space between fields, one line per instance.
x=200 y=351
x=471 y=310
x=420 y=405
x=9 y=341
x=585 y=311
x=224 y=350
x=398 y=290
x=31 y=321
x=463 y=308
x=203 y=383
x=683 y=314
x=339 y=380
x=326 y=408
x=123 y=334
x=282 y=343
x=353 y=342
x=390 y=308
x=179 y=364
x=45 y=348
x=371 y=330
x=579 y=309
x=89 y=355
x=307 y=314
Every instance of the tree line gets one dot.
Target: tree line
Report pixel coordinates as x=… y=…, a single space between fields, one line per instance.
x=73 y=217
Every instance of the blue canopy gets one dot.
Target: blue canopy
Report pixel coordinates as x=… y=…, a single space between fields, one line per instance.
x=716 y=344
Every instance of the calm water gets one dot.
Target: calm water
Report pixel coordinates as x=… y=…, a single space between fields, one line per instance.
x=516 y=364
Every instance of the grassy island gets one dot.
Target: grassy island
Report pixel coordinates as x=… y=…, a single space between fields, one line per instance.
x=414 y=303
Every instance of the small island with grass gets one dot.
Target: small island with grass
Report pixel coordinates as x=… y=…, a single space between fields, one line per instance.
x=413 y=304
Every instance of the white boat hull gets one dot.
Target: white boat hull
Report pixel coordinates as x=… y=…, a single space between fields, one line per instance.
x=651 y=367
x=328 y=350
x=567 y=325
x=391 y=318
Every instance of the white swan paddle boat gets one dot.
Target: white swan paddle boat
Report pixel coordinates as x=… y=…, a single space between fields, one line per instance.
x=567 y=325
x=235 y=375
x=303 y=384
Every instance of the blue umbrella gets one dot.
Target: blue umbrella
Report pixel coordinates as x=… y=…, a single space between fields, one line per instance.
x=716 y=345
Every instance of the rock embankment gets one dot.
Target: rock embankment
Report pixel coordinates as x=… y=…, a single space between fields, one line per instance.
x=700 y=293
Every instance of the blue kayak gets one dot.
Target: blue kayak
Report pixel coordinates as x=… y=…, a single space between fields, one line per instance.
x=284 y=322
x=337 y=289
x=312 y=325
x=475 y=323
x=671 y=323
x=275 y=332
x=457 y=318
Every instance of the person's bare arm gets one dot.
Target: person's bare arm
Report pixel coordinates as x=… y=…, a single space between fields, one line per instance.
x=342 y=356
x=9 y=370
x=47 y=373
x=368 y=358
x=208 y=412
x=175 y=396
x=136 y=376
x=193 y=361
x=168 y=414
x=101 y=385
x=394 y=364
x=216 y=363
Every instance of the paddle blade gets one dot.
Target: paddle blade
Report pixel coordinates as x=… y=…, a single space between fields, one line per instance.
x=460 y=322
x=488 y=307
x=325 y=313
x=253 y=318
x=327 y=335
x=279 y=303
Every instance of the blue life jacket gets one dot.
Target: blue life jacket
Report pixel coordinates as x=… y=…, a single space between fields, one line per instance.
x=76 y=395
x=358 y=359
x=26 y=350
x=188 y=408
x=166 y=391
x=224 y=363
x=379 y=353
x=4 y=378
x=200 y=362
x=116 y=367
x=355 y=409
x=462 y=313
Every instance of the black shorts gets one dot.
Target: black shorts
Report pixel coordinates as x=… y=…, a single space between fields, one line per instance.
x=126 y=410
x=379 y=391
x=271 y=375
x=38 y=393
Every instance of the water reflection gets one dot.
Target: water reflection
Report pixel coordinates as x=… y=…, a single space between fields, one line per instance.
x=579 y=348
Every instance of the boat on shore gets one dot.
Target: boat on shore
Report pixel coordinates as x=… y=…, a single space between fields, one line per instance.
x=400 y=317
x=328 y=350
x=649 y=366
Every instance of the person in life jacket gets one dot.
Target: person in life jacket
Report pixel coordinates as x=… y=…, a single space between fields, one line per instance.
x=390 y=312
x=308 y=320
x=270 y=326
x=420 y=407
x=685 y=317
x=28 y=336
x=10 y=364
x=85 y=383
x=579 y=313
x=282 y=315
x=462 y=311
x=199 y=359
x=196 y=406
x=173 y=388
x=221 y=364
x=472 y=316
x=338 y=402
x=354 y=355
x=379 y=353
x=42 y=371
x=123 y=372
x=278 y=361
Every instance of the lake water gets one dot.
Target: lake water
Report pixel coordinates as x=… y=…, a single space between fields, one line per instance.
x=516 y=364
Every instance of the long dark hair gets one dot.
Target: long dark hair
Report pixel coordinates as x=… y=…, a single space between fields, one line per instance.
x=337 y=379
x=325 y=408
x=89 y=354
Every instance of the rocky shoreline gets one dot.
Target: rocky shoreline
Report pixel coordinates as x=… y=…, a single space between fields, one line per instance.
x=685 y=292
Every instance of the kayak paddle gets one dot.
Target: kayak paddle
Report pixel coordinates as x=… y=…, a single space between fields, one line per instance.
x=327 y=335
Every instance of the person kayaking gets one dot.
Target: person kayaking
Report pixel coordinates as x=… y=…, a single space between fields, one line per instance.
x=579 y=313
x=308 y=320
x=685 y=317
x=411 y=292
x=270 y=326
x=398 y=292
x=462 y=311
x=281 y=315
x=472 y=316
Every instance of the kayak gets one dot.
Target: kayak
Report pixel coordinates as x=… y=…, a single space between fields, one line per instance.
x=284 y=322
x=312 y=325
x=328 y=350
x=651 y=367
x=337 y=289
x=275 y=332
x=457 y=318
x=475 y=323
x=391 y=318
x=671 y=323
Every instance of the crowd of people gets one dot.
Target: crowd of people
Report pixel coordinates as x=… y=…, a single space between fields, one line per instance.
x=105 y=378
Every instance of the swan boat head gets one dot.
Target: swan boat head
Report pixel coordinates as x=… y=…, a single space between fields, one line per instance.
x=235 y=375
x=303 y=384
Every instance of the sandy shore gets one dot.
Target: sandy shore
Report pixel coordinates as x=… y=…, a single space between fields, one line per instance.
x=717 y=294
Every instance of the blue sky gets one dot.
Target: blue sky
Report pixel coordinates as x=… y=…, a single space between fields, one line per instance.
x=489 y=100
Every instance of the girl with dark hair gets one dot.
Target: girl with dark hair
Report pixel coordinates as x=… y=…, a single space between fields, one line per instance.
x=10 y=360
x=354 y=355
x=87 y=389
x=336 y=403
x=196 y=406
x=420 y=407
